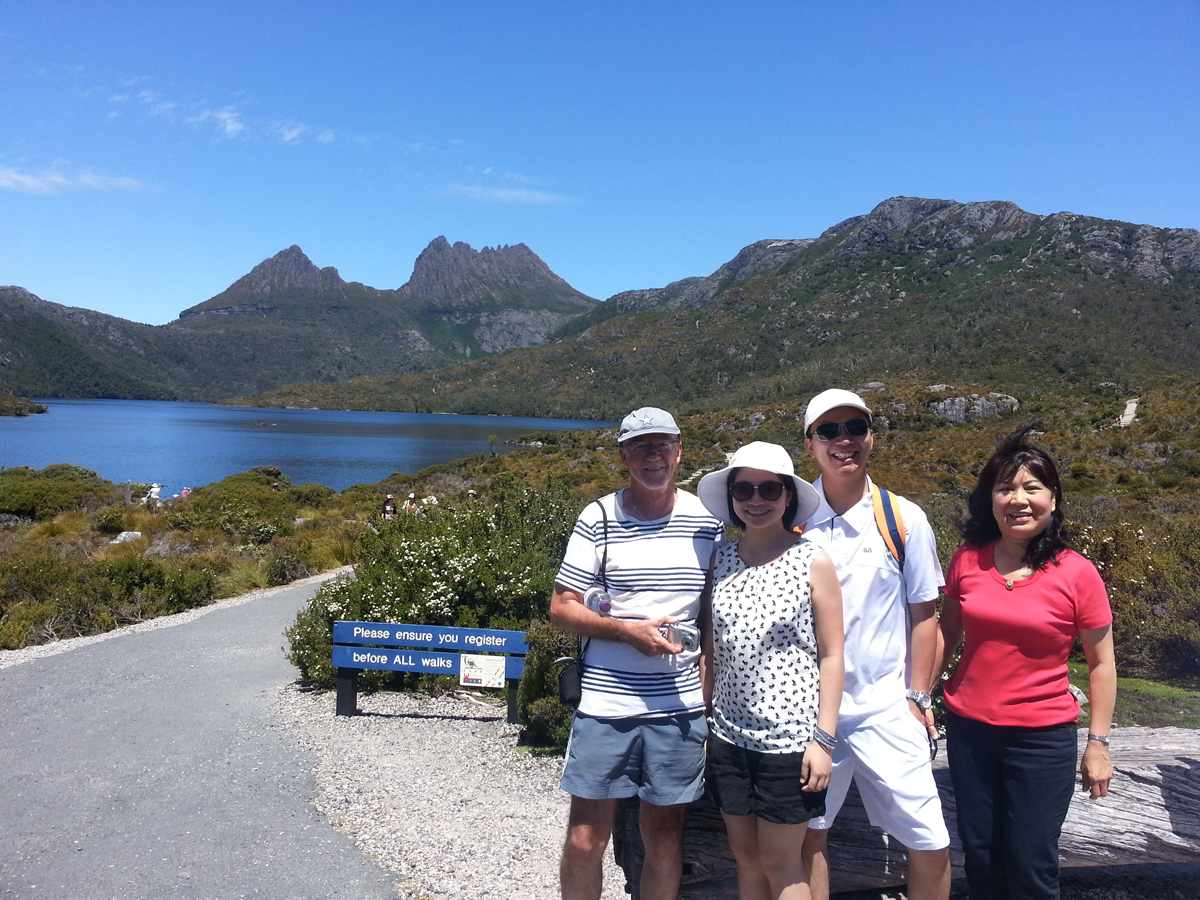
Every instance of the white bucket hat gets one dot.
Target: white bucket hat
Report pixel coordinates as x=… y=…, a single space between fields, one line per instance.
x=832 y=399
x=714 y=487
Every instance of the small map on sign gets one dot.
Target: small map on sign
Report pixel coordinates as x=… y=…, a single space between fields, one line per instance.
x=482 y=671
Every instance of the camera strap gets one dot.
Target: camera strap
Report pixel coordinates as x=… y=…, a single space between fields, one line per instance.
x=603 y=573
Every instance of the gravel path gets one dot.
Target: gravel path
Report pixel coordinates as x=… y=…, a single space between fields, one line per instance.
x=436 y=790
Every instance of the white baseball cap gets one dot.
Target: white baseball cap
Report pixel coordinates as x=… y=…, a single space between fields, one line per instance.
x=647 y=420
x=713 y=489
x=832 y=399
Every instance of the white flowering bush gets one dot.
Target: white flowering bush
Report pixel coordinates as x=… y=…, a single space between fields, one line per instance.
x=1151 y=568
x=473 y=564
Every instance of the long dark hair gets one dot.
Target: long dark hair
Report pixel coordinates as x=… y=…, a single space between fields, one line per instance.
x=789 y=511
x=1013 y=453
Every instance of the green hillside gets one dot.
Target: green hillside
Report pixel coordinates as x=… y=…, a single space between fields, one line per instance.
x=980 y=292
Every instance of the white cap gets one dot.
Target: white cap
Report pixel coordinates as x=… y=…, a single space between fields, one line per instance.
x=832 y=399
x=713 y=488
x=647 y=420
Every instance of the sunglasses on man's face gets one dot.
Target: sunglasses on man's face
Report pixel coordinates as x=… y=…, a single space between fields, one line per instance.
x=829 y=431
x=644 y=448
x=744 y=490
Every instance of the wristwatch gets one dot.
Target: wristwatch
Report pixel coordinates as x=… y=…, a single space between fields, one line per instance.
x=1099 y=738
x=923 y=700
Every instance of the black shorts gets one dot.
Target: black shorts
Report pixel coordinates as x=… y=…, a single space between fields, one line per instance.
x=746 y=782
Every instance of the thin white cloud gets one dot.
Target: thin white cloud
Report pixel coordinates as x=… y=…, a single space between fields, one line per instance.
x=328 y=136
x=287 y=131
x=156 y=104
x=505 y=195
x=56 y=182
x=226 y=119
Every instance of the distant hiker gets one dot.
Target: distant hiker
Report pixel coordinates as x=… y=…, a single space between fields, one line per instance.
x=389 y=507
x=885 y=729
x=410 y=505
x=640 y=728
x=1021 y=597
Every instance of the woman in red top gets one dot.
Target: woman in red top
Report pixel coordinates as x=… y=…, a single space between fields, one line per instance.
x=1021 y=598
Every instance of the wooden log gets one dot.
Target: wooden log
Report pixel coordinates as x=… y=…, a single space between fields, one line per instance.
x=1152 y=815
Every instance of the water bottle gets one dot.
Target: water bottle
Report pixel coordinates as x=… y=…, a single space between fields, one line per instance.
x=597 y=600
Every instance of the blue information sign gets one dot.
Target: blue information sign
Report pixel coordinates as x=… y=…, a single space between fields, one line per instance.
x=404 y=660
x=465 y=640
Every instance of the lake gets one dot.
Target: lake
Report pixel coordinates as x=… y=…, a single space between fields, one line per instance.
x=191 y=444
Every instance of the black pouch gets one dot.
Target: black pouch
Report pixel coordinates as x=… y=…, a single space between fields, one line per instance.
x=570 y=681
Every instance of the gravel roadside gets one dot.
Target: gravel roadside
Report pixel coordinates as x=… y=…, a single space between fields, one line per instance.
x=436 y=790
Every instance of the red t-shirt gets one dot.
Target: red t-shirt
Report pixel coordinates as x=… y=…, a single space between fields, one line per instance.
x=1013 y=669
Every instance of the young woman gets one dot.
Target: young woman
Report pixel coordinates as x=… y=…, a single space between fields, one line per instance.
x=773 y=640
x=1021 y=598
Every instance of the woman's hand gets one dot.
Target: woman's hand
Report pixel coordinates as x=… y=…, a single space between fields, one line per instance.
x=1096 y=769
x=816 y=768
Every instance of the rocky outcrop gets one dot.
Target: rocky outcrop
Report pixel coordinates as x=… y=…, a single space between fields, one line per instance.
x=515 y=328
x=454 y=276
x=971 y=407
x=906 y=223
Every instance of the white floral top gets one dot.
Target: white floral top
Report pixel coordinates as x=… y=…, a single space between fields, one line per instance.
x=766 y=680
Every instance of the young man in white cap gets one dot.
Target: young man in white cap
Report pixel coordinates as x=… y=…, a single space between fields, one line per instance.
x=640 y=727
x=885 y=729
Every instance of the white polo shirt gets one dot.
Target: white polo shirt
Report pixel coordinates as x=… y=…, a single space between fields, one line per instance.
x=875 y=594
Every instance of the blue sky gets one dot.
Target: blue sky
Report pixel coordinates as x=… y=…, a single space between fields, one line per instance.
x=152 y=153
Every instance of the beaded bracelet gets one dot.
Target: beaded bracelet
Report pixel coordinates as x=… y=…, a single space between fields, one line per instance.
x=824 y=738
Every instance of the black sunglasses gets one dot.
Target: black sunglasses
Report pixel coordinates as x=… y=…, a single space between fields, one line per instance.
x=829 y=431
x=744 y=490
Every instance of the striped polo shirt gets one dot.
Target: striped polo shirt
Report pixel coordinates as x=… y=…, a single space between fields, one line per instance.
x=655 y=568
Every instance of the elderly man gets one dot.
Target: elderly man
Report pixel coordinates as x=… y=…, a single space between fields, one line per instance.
x=884 y=721
x=640 y=727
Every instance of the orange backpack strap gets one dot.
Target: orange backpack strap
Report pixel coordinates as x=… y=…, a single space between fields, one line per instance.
x=889 y=521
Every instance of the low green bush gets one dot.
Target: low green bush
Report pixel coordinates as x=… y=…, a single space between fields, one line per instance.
x=546 y=720
x=311 y=494
x=110 y=520
x=289 y=563
x=41 y=494
x=477 y=565
x=254 y=507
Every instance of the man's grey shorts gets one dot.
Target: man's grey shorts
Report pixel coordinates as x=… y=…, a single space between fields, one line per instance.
x=660 y=760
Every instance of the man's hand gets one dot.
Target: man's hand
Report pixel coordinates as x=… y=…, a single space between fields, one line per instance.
x=644 y=637
x=925 y=717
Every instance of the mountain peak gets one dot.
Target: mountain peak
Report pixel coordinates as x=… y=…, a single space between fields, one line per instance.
x=917 y=222
x=286 y=272
x=455 y=275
